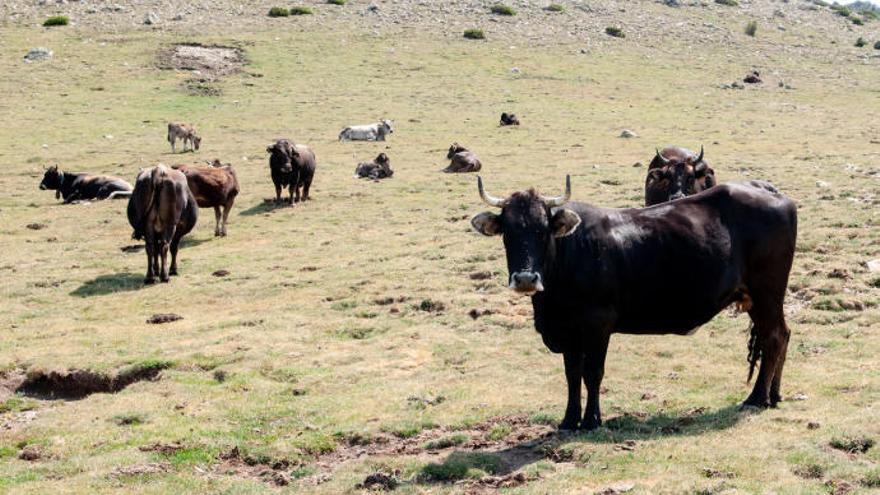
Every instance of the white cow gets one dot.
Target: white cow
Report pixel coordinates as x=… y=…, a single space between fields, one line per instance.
x=371 y=132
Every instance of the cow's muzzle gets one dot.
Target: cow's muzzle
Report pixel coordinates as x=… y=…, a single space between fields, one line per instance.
x=42 y=187
x=526 y=282
x=677 y=195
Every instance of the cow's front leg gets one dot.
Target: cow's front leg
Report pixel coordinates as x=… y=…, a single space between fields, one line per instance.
x=217 y=231
x=574 y=362
x=594 y=371
x=277 y=193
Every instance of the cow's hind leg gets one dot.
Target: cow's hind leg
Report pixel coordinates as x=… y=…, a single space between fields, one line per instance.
x=226 y=208
x=175 y=244
x=768 y=343
x=150 y=278
x=305 y=194
x=217 y=231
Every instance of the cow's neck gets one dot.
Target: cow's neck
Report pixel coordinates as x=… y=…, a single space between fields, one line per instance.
x=65 y=183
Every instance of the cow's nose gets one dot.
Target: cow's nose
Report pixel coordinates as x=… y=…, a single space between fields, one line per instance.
x=43 y=187
x=675 y=196
x=527 y=282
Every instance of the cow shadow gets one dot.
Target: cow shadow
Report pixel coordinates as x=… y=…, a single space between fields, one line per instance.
x=188 y=242
x=266 y=206
x=110 y=284
x=557 y=445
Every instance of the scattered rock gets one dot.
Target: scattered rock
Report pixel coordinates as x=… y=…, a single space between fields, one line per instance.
x=617 y=489
x=31 y=453
x=822 y=184
x=839 y=487
x=476 y=313
x=714 y=473
x=221 y=273
x=162 y=448
x=141 y=469
x=379 y=481
x=160 y=318
x=638 y=165
x=873 y=266
x=151 y=18
x=839 y=273
x=626 y=133
x=648 y=396
x=753 y=78
x=798 y=397
x=38 y=54
x=426 y=401
x=481 y=275
x=813 y=425
x=36 y=226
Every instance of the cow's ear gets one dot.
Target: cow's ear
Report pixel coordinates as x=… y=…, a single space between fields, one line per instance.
x=487 y=223
x=564 y=222
x=701 y=169
x=269 y=148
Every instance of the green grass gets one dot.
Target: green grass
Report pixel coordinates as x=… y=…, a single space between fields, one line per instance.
x=728 y=3
x=751 y=28
x=337 y=2
x=555 y=7
x=446 y=442
x=279 y=12
x=502 y=9
x=474 y=34
x=857 y=21
x=58 y=20
x=460 y=465
x=615 y=32
x=300 y=11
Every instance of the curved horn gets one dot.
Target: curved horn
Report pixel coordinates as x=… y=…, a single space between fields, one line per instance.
x=663 y=160
x=700 y=158
x=489 y=200
x=560 y=200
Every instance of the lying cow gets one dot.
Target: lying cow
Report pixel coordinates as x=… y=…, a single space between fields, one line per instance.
x=595 y=271
x=185 y=133
x=161 y=211
x=371 y=132
x=83 y=187
x=213 y=187
x=462 y=160
x=379 y=168
x=291 y=165
x=509 y=119
x=675 y=173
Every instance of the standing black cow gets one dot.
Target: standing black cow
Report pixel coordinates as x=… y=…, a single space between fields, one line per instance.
x=291 y=165
x=595 y=271
x=161 y=211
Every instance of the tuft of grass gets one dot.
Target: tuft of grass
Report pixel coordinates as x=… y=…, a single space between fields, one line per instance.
x=871 y=479
x=446 y=442
x=279 y=12
x=474 y=34
x=841 y=10
x=17 y=404
x=751 y=28
x=300 y=11
x=543 y=418
x=499 y=432
x=336 y=2
x=460 y=465
x=58 y=20
x=316 y=443
x=7 y=451
x=129 y=419
x=877 y=281
x=555 y=7
x=615 y=32
x=852 y=444
x=857 y=21
x=860 y=42
x=810 y=470
x=729 y=3
x=501 y=9
x=192 y=457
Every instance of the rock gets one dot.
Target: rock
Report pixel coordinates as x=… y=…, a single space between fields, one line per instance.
x=151 y=18
x=515 y=70
x=637 y=165
x=38 y=54
x=617 y=489
x=178 y=17
x=798 y=397
x=626 y=133
x=753 y=78
x=873 y=265
x=822 y=184
x=158 y=319
x=672 y=3
x=30 y=453
x=813 y=425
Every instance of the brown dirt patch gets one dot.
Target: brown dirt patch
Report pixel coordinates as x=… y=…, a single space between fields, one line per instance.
x=211 y=61
x=161 y=318
x=141 y=469
x=78 y=384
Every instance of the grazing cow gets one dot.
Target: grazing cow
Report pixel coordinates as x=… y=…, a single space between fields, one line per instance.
x=675 y=173
x=379 y=168
x=83 y=187
x=215 y=187
x=509 y=119
x=371 y=132
x=462 y=160
x=161 y=211
x=291 y=165
x=665 y=269
x=184 y=132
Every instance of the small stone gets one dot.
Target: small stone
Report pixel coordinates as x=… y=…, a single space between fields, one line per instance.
x=151 y=18
x=873 y=265
x=637 y=165
x=30 y=453
x=626 y=133
x=37 y=54
x=798 y=397
x=813 y=425
x=108 y=136
x=822 y=184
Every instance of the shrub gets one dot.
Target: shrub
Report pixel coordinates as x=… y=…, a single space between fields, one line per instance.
x=857 y=21
x=58 y=20
x=501 y=9
x=474 y=34
x=615 y=31
x=852 y=444
x=841 y=10
x=555 y=7
x=300 y=11
x=751 y=28
x=446 y=442
x=336 y=2
x=870 y=15
x=861 y=42
x=877 y=282
x=279 y=12
x=729 y=3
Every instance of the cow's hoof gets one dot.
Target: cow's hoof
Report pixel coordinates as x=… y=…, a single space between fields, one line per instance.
x=149 y=280
x=165 y=279
x=173 y=273
x=752 y=407
x=567 y=425
x=590 y=425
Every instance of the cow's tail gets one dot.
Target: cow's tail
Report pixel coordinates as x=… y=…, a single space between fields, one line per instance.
x=119 y=194
x=754 y=350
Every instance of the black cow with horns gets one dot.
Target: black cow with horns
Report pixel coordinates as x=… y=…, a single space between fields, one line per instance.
x=592 y=272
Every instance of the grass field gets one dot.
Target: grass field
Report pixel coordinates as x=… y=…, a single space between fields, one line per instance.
x=340 y=344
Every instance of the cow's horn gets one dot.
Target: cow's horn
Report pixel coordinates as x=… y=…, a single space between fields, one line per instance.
x=700 y=158
x=489 y=200
x=560 y=200
x=663 y=160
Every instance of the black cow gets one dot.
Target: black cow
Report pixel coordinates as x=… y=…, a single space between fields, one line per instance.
x=508 y=119
x=83 y=187
x=291 y=165
x=675 y=173
x=666 y=269
x=161 y=211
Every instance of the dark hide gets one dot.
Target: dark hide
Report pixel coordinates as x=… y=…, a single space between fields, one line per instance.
x=83 y=187
x=292 y=165
x=462 y=160
x=213 y=187
x=379 y=168
x=509 y=119
x=664 y=269
x=161 y=211
x=675 y=173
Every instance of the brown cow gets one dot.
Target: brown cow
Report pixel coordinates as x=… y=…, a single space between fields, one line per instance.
x=184 y=132
x=379 y=168
x=462 y=160
x=675 y=173
x=213 y=187
x=161 y=211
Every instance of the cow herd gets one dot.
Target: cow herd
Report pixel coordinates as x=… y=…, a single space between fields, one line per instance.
x=695 y=249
